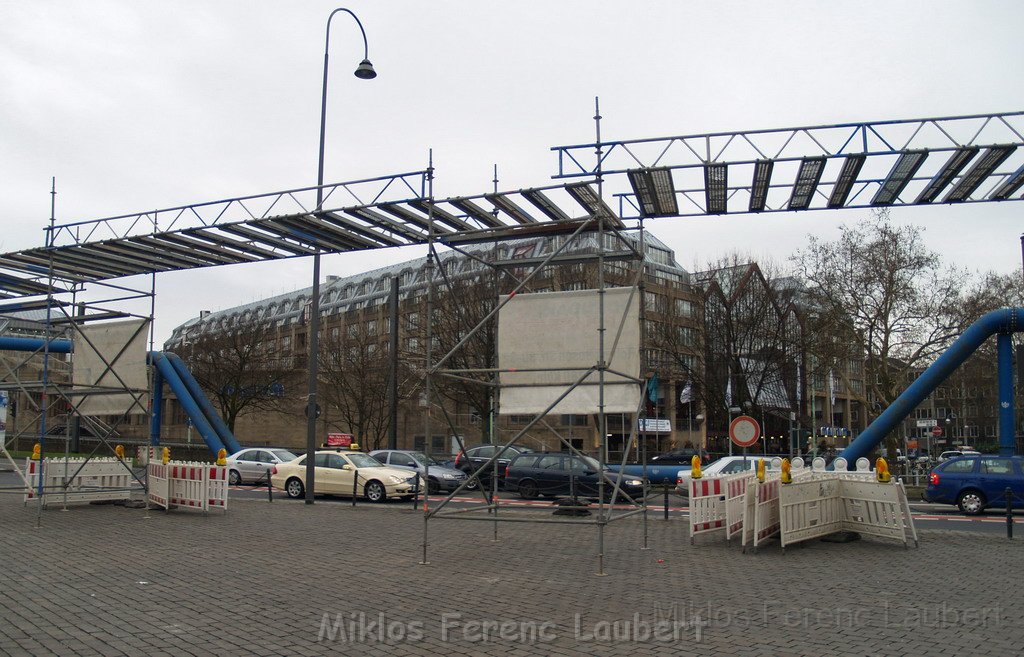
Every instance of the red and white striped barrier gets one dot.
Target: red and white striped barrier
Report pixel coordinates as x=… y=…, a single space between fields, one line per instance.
x=77 y=480
x=708 y=510
x=761 y=511
x=190 y=485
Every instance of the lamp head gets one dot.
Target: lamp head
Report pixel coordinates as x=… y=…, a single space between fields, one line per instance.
x=365 y=70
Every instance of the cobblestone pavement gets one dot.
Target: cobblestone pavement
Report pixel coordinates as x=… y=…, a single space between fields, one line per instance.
x=288 y=579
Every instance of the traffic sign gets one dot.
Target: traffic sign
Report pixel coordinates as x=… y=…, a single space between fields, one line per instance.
x=937 y=431
x=744 y=431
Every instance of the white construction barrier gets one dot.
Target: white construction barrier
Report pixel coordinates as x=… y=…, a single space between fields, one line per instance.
x=828 y=504
x=77 y=480
x=191 y=485
x=708 y=509
x=761 y=511
x=809 y=509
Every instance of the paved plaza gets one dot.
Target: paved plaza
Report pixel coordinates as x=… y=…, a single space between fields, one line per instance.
x=288 y=579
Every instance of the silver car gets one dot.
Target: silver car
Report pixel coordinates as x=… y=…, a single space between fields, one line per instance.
x=251 y=465
x=442 y=479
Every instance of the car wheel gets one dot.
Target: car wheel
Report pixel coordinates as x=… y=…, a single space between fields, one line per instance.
x=433 y=487
x=294 y=488
x=527 y=489
x=375 y=491
x=971 y=502
x=473 y=484
x=234 y=478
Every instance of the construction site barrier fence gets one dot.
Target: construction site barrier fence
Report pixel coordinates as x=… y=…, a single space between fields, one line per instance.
x=190 y=485
x=78 y=480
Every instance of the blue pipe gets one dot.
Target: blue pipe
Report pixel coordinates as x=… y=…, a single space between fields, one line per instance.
x=156 y=417
x=190 y=406
x=1004 y=321
x=1007 y=444
x=35 y=344
x=203 y=401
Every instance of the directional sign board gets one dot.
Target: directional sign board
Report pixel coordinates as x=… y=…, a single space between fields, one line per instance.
x=744 y=431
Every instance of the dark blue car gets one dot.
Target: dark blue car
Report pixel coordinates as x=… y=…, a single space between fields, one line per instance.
x=977 y=481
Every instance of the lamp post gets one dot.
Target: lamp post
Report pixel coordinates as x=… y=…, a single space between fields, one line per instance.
x=364 y=72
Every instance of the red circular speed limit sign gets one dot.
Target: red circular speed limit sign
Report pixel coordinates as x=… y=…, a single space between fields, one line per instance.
x=744 y=431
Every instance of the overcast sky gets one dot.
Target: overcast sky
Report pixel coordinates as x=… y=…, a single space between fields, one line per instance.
x=135 y=106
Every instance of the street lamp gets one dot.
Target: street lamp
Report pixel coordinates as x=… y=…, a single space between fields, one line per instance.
x=364 y=72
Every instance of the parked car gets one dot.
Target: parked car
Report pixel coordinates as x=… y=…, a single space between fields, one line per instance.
x=945 y=456
x=723 y=466
x=555 y=474
x=441 y=478
x=975 y=481
x=251 y=465
x=679 y=457
x=336 y=472
x=473 y=458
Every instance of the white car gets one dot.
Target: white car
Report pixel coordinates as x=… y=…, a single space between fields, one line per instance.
x=725 y=465
x=251 y=465
x=344 y=473
x=945 y=456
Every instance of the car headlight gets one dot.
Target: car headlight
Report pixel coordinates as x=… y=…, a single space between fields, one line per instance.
x=395 y=479
x=448 y=475
x=633 y=482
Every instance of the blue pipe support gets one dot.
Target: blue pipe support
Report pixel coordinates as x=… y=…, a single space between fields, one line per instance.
x=156 y=416
x=190 y=406
x=1007 y=424
x=203 y=401
x=997 y=322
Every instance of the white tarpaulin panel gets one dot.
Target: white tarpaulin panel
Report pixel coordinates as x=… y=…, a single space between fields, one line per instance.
x=558 y=331
x=109 y=356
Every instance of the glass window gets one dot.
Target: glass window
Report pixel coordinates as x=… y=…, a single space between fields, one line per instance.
x=334 y=461
x=964 y=465
x=549 y=463
x=487 y=451
x=398 y=458
x=996 y=466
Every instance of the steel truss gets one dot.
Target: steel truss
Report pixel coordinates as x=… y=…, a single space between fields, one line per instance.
x=960 y=159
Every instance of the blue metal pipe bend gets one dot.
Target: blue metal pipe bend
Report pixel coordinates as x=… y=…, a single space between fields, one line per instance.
x=1005 y=320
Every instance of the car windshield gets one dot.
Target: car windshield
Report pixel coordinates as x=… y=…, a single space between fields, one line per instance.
x=283 y=454
x=363 y=460
x=423 y=459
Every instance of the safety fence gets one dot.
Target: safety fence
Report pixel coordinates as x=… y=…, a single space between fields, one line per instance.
x=711 y=499
x=825 y=505
x=78 y=480
x=814 y=503
x=190 y=485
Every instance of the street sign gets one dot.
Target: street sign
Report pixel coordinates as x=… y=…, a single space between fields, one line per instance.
x=744 y=431
x=924 y=424
x=937 y=431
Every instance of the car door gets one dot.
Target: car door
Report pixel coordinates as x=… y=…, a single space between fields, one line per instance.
x=400 y=460
x=551 y=474
x=246 y=463
x=264 y=461
x=330 y=476
x=996 y=474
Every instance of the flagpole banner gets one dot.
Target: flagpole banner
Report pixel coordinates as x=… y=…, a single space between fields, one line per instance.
x=557 y=332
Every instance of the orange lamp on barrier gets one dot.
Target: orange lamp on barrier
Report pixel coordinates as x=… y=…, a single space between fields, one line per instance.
x=760 y=470
x=119 y=452
x=165 y=455
x=787 y=475
x=37 y=451
x=695 y=467
x=222 y=456
x=882 y=470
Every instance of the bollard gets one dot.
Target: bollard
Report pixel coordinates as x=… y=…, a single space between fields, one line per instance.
x=416 y=493
x=1009 y=513
x=355 y=485
x=666 y=502
x=270 y=488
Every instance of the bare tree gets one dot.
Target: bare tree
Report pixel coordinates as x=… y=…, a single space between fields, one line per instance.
x=242 y=369
x=749 y=350
x=877 y=294
x=355 y=371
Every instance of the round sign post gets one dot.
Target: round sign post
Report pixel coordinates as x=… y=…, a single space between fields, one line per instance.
x=937 y=431
x=744 y=431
